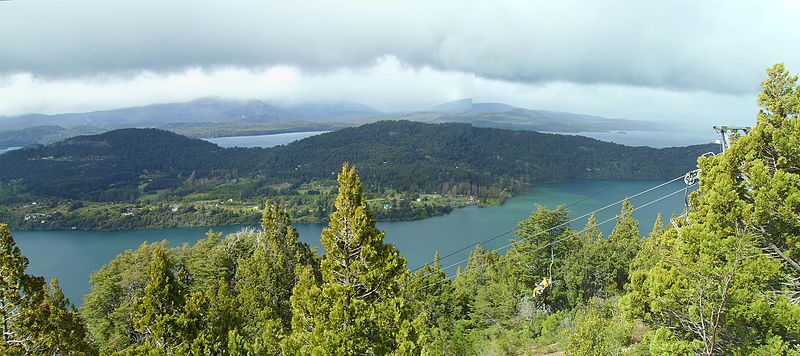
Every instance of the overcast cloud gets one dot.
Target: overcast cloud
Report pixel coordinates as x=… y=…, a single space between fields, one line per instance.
x=679 y=60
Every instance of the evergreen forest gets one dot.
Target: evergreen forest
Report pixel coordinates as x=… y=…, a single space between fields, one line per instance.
x=722 y=279
x=137 y=178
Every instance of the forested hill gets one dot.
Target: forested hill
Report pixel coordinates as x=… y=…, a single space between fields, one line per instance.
x=420 y=154
x=88 y=167
x=399 y=155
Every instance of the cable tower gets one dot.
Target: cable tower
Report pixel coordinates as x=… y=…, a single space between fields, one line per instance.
x=728 y=134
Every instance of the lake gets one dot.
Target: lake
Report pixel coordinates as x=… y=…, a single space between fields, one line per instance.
x=264 y=141
x=657 y=139
x=6 y=149
x=73 y=255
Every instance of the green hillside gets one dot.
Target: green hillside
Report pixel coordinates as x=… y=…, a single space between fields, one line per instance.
x=724 y=279
x=133 y=178
x=400 y=155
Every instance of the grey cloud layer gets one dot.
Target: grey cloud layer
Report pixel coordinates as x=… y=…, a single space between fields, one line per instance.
x=718 y=46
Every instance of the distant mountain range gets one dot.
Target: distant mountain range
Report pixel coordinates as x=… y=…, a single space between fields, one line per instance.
x=504 y=116
x=466 y=105
x=205 y=110
x=213 y=117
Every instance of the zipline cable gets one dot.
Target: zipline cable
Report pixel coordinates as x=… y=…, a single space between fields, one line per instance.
x=512 y=230
x=699 y=147
x=554 y=227
x=542 y=246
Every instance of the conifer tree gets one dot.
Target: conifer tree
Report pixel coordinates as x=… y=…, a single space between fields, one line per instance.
x=624 y=244
x=357 y=308
x=497 y=301
x=545 y=241
x=588 y=270
x=13 y=284
x=658 y=227
x=155 y=314
x=755 y=185
x=35 y=319
x=649 y=255
x=356 y=256
x=722 y=282
x=264 y=281
x=207 y=321
x=56 y=325
x=432 y=291
x=431 y=294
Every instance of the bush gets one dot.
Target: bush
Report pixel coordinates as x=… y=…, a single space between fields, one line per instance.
x=599 y=330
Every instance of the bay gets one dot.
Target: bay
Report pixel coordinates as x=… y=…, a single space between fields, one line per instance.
x=72 y=256
x=657 y=139
x=264 y=141
x=7 y=149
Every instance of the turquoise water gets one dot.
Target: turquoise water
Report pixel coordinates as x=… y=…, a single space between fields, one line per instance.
x=264 y=141
x=73 y=255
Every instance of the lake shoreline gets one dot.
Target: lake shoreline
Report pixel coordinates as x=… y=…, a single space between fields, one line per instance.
x=263 y=140
x=72 y=255
x=457 y=203
x=245 y=220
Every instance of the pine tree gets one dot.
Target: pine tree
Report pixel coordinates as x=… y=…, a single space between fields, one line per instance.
x=155 y=314
x=589 y=269
x=56 y=326
x=473 y=277
x=722 y=283
x=624 y=244
x=432 y=296
x=545 y=241
x=264 y=281
x=658 y=227
x=207 y=320
x=755 y=185
x=36 y=319
x=356 y=256
x=432 y=291
x=497 y=302
x=358 y=307
x=634 y=302
x=12 y=290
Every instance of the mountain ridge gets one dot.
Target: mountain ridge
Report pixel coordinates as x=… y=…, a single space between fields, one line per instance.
x=400 y=155
x=215 y=117
x=201 y=110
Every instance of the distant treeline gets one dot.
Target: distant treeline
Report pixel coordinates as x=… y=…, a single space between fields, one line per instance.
x=122 y=165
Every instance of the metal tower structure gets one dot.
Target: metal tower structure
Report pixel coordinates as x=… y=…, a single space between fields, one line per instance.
x=727 y=133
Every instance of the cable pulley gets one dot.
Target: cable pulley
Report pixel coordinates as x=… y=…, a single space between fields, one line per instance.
x=691 y=178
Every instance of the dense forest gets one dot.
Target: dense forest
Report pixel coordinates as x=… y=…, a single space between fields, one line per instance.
x=722 y=279
x=147 y=177
x=402 y=155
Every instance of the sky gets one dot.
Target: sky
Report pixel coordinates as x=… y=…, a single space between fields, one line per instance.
x=691 y=62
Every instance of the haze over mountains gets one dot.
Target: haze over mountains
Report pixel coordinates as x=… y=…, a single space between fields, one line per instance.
x=213 y=117
x=203 y=110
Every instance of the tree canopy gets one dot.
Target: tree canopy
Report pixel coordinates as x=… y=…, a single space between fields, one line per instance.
x=721 y=279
